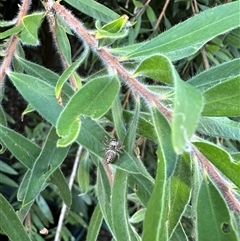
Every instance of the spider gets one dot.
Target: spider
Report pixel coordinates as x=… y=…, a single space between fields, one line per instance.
x=113 y=148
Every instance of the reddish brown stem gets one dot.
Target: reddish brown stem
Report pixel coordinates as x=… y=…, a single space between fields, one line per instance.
x=221 y=184
x=110 y=60
x=12 y=44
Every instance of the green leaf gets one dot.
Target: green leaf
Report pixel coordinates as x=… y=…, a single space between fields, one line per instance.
x=63 y=41
x=99 y=95
x=130 y=138
x=143 y=187
x=104 y=193
x=164 y=140
x=223 y=99
x=68 y=72
x=219 y=127
x=94 y=9
x=213 y=212
x=114 y=26
x=118 y=120
x=4 y=167
x=10 y=223
x=95 y=224
x=188 y=103
x=121 y=225
x=138 y=216
x=222 y=160
x=47 y=162
x=39 y=94
x=7 y=180
x=23 y=149
x=180 y=190
x=179 y=234
x=11 y=31
x=215 y=75
x=83 y=173
x=188 y=37
x=157 y=67
x=31 y=23
x=154 y=228
x=58 y=179
x=38 y=71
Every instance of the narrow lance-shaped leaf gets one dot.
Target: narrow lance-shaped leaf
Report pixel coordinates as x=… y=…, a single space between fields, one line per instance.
x=48 y=161
x=10 y=223
x=63 y=41
x=94 y=9
x=215 y=75
x=180 y=190
x=68 y=72
x=154 y=226
x=95 y=224
x=94 y=100
x=188 y=37
x=104 y=193
x=120 y=218
x=219 y=127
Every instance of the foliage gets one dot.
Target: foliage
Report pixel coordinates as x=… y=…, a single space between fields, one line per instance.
x=147 y=92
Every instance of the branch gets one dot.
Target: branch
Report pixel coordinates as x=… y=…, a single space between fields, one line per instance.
x=221 y=184
x=109 y=59
x=12 y=45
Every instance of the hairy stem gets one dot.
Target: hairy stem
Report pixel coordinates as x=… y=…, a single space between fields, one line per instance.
x=12 y=44
x=110 y=60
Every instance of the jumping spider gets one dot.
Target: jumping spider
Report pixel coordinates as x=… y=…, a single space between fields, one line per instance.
x=113 y=148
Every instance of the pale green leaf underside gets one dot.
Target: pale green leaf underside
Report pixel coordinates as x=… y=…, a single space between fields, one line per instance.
x=219 y=127
x=156 y=67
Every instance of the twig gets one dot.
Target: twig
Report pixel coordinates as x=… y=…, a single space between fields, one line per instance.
x=71 y=181
x=141 y=10
x=195 y=10
x=12 y=45
x=161 y=15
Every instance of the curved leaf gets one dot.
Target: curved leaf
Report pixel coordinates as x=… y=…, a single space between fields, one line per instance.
x=157 y=67
x=99 y=95
x=31 y=23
